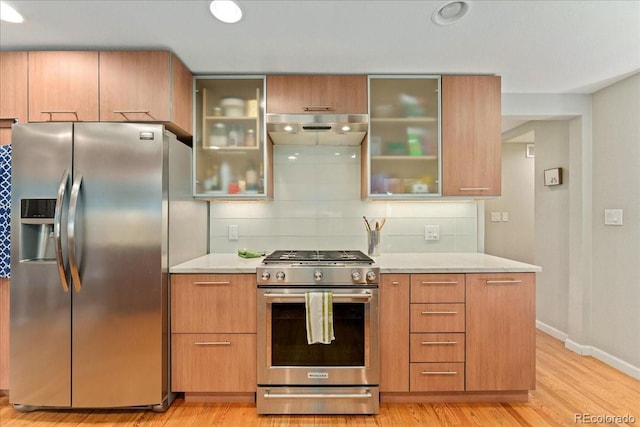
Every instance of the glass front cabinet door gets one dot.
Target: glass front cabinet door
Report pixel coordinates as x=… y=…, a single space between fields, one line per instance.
x=404 y=137
x=229 y=149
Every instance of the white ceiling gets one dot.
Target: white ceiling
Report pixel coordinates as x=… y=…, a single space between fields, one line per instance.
x=536 y=46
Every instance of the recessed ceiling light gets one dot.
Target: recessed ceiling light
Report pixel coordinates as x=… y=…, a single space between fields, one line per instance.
x=450 y=12
x=9 y=14
x=226 y=11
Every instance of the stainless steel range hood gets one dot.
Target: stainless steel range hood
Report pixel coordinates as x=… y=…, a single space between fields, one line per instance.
x=317 y=129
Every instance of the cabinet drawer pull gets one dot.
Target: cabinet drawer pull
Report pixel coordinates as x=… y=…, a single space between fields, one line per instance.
x=395 y=282
x=124 y=113
x=439 y=312
x=439 y=342
x=439 y=372
x=440 y=283
x=318 y=108
x=503 y=282
x=212 y=343
x=9 y=121
x=52 y=112
x=211 y=283
x=474 y=188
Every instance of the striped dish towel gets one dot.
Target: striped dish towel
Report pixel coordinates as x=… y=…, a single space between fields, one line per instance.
x=319 y=307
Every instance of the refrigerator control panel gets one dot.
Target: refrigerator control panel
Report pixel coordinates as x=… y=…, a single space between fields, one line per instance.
x=37 y=208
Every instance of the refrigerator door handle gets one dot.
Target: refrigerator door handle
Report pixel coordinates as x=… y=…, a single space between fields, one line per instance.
x=57 y=230
x=71 y=232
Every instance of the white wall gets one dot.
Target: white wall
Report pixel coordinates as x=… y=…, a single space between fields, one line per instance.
x=615 y=307
x=514 y=238
x=597 y=279
x=317 y=205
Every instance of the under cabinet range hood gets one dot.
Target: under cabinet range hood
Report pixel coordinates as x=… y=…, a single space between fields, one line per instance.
x=317 y=129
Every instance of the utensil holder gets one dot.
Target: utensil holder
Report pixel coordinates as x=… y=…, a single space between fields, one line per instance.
x=373 y=243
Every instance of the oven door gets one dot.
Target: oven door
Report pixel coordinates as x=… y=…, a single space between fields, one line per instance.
x=285 y=357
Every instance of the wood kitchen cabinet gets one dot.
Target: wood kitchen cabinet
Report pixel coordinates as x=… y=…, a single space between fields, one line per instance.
x=394 y=332
x=500 y=312
x=213 y=330
x=339 y=94
x=4 y=334
x=437 y=344
x=471 y=141
x=13 y=92
x=140 y=86
x=63 y=86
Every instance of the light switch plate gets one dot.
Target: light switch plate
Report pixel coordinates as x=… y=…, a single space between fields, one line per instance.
x=613 y=216
x=233 y=232
x=495 y=217
x=505 y=216
x=431 y=232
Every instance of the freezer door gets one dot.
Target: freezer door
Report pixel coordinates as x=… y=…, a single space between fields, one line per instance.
x=40 y=326
x=117 y=226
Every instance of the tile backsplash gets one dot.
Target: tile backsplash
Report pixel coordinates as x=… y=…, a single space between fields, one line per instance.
x=317 y=205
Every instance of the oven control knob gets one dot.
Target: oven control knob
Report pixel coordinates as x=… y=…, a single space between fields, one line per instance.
x=280 y=275
x=317 y=275
x=356 y=276
x=371 y=276
x=265 y=275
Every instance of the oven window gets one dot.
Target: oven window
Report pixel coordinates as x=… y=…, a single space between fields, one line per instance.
x=289 y=337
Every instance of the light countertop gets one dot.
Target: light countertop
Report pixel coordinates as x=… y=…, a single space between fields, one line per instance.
x=450 y=262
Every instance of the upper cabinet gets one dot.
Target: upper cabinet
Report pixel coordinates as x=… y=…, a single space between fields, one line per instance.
x=471 y=144
x=338 y=94
x=404 y=137
x=111 y=86
x=142 y=86
x=63 y=86
x=231 y=156
x=13 y=90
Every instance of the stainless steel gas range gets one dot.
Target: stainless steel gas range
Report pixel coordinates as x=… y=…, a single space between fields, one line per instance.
x=338 y=377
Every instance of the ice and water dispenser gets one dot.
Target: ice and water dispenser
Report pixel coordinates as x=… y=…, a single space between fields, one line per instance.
x=36 y=229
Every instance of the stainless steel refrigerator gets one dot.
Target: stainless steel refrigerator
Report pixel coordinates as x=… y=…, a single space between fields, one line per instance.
x=99 y=212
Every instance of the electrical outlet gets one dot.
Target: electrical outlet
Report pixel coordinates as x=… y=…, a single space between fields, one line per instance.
x=233 y=232
x=431 y=232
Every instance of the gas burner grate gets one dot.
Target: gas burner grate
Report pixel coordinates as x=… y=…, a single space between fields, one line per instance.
x=345 y=256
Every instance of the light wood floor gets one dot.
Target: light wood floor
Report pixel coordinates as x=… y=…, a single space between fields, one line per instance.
x=567 y=385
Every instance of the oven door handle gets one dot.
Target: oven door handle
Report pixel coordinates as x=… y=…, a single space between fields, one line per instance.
x=335 y=297
x=269 y=395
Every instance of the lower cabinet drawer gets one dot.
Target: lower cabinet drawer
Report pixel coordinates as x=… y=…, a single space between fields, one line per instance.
x=437 y=347
x=437 y=377
x=437 y=318
x=213 y=362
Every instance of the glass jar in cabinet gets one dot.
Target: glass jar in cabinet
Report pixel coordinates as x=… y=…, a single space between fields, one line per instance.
x=404 y=137
x=230 y=155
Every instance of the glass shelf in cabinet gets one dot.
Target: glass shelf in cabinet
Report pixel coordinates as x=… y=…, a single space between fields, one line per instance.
x=403 y=157
x=402 y=120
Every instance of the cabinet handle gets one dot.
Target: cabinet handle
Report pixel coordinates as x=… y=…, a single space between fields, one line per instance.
x=474 y=188
x=439 y=312
x=439 y=342
x=395 y=282
x=10 y=120
x=52 y=112
x=439 y=283
x=212 y=343
x=439 y=372
x=503 y=282
x=125 y=112
x=318 y=108
x=211 y=283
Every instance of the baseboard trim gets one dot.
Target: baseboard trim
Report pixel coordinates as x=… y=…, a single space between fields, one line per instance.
x=588 y=350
